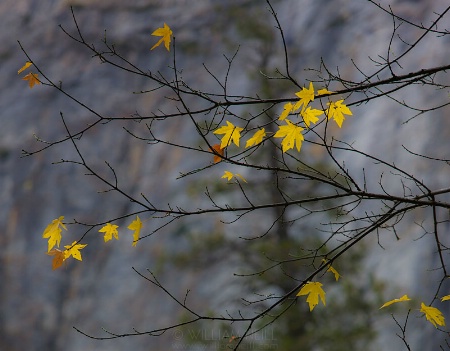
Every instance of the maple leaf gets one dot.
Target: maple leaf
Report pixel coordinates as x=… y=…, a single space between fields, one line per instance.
x=257 y=138
x=231 y=134
x=445 y=298
x=332 y=270
x=287 y=109
x=32 y=79
x=311 y=115
x=24 y=67
x=164 y=32
x=74 y=250
x=136 y=225
x=314 y=291
x=53 y=232
x=218 y=150
x=336 y=110
x=306 y=96
x=110 y=230
x=323 y=92
x=403 y=298
x=433 y=315
x=228 y=175
x=58 y=258
x=292 y=135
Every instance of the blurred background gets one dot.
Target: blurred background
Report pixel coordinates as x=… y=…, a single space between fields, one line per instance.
x=39 y=307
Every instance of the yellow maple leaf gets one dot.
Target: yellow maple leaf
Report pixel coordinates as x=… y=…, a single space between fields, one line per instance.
x=136 y=225
x=445 y=298
x=287 y=109
x=24 y=67
x=58 y=258
x=311 y=115
x=32 y=79
x=336 y=110
x=292 y=135
x=231 y=134
x=332 y=270
x=74 y=251
x=53 y=232
x=314 y=291
x=323 y=91
x=166 y=34
x=306 y=96
x=433 y=315
x=228 y=175
x=110 y=230
x=257 y=138
x=403 y=298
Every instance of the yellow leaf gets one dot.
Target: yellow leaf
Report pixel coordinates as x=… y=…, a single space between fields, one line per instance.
x=58 y=258
x=314 y=291
x=403 y=298
x=332 y=270
x=74 y=250
x=323 y=92
x=218 y=150
x=231 y=134
x=53 y=232
x=445 y=298
x=292 y=135
x=239 y=176
x=433 y=315
x=136 y=225
x=311 y=115
x=256 y=138
x=228 y=175
x=287 y=109
x=24 y=67
x=32 y=79
x=110 y=230
x=166 y=34
x=306 y=96
x=336 y=110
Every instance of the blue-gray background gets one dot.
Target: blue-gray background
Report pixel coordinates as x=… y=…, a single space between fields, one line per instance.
x=38 y=306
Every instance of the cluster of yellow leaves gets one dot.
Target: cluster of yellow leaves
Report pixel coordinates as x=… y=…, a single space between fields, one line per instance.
x=32 y=78
x=291 y=133
x=314 y=289
x=53 y=233
x=432 y=314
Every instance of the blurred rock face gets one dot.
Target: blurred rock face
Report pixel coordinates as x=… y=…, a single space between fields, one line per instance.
x=39 y=306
